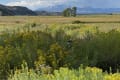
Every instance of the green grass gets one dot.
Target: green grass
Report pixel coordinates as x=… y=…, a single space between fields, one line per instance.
x=88 y=73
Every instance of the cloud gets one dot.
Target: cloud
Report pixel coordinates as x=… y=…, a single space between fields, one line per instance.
x=34 y=4
x=37 y=3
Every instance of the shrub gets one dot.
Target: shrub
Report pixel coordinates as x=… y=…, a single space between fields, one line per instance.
x=76 y=22
x=33 y=25
x=56 y=56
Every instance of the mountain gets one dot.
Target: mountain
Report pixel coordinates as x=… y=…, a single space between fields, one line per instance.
x=57 y=8
x=53 y=10
x=15 y=10
x=85 y=10
x=46 y=13
x=98 y=10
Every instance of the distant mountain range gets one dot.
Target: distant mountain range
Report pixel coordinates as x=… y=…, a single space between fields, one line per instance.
x=53 y=10
x=15 y=10
x=57 y=8
x=86 y=10
x=98 y=10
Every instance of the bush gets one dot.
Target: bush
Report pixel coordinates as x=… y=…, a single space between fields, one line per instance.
x=76 y=22
x=100 y=50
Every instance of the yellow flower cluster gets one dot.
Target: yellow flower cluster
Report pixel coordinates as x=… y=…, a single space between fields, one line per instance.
x=66 y=74
x=93 y=70
x=115 y=76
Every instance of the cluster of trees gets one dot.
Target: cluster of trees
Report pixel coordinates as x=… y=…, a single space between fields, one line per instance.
x=70 y=12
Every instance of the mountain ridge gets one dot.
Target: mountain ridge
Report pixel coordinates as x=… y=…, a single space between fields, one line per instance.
x=15 y=10
x=52 y=10
x=84 y=10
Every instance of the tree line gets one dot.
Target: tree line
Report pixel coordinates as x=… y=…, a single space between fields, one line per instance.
x=68 y=12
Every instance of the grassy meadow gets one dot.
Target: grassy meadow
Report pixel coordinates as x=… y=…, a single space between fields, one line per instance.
x=85 y=47
x=104 y=22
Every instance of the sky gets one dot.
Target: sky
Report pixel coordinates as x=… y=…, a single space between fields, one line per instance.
x=35 y=4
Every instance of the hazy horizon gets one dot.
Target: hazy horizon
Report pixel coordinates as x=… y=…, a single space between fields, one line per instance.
x=35 y=4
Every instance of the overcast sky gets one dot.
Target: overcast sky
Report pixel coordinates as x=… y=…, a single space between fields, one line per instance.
x=34 y=4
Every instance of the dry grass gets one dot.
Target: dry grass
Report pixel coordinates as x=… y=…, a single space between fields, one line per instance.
x=104 y=22
x=58 y=19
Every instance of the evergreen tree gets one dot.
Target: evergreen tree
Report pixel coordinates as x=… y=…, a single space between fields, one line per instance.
x=74 y=11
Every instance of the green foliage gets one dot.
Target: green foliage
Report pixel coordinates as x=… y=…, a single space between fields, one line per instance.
x=56 y=56
x=67 y=12
x=87 y=73
x=41 y=58
x=70 y=12
x=74 y=11
x=46 y=51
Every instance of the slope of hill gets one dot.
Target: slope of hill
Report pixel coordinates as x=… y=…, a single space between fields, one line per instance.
x=15 y=10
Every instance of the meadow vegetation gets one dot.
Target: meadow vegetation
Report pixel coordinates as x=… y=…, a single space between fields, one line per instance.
x=60 y=51
x=81 y=73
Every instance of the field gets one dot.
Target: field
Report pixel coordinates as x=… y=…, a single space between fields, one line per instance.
x=59 y=48
x=59 y=19
x=104 y=22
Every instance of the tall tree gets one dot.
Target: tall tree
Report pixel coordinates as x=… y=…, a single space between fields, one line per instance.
x=67 y=12
x=74 y=11
x=0 y=13
x=64 y=13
